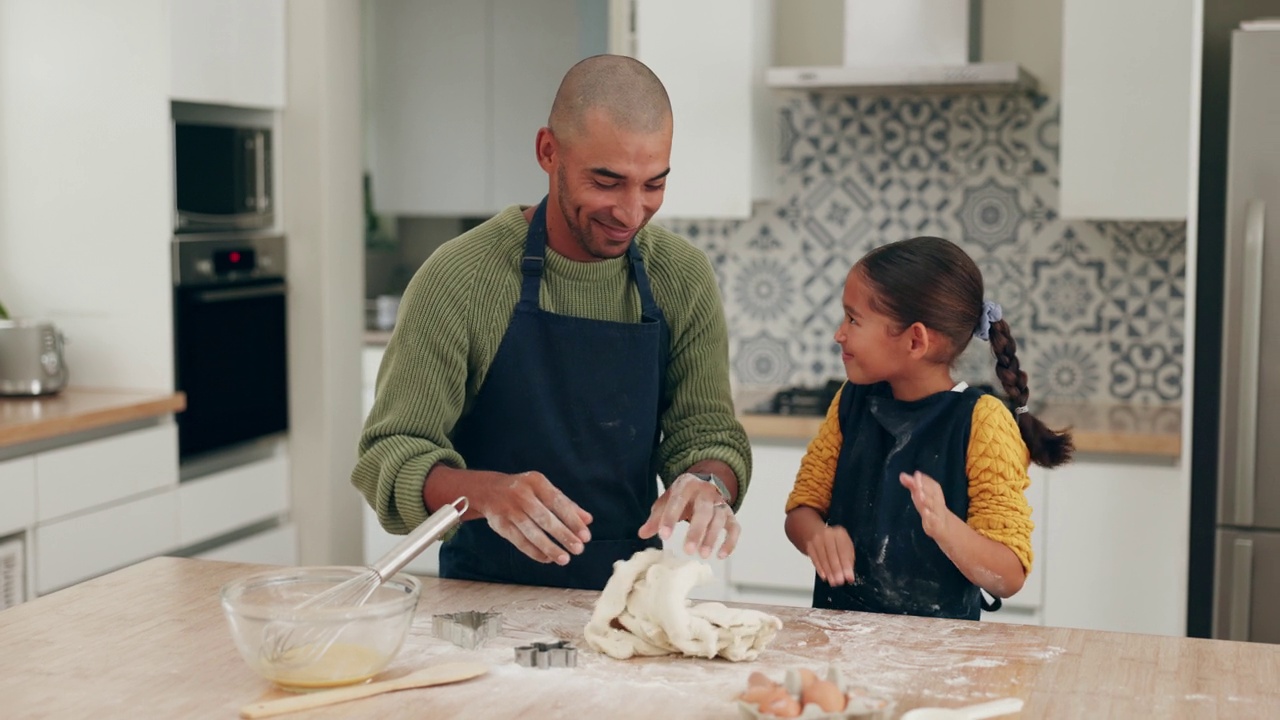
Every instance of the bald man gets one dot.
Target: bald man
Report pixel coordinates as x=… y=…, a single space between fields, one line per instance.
x=554 y=362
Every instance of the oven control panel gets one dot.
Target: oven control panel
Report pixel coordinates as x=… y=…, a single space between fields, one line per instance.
x=227 y=260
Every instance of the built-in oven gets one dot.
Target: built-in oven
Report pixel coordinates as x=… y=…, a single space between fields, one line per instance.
x=230 y=299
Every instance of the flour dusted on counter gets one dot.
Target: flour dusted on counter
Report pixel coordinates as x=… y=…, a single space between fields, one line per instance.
x=645 y=610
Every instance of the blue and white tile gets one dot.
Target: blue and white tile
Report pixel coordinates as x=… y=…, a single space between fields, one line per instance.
x=1146 y=373
x=1067 y=289
x=990 y=133
x=763 y=359
x=1147 y=298
x=836 y=213
x=989 y=214
x=915 y=134
x=1068 y=369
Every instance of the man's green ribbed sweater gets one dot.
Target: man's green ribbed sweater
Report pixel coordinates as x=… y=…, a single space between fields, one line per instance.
x=453 y=317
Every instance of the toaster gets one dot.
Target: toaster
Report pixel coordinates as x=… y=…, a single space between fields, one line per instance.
x=31 y=360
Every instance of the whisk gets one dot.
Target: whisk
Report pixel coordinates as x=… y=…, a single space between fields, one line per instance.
x=298 y=640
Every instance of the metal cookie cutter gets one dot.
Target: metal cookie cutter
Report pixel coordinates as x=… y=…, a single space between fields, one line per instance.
x=467 y=629
x=545 y=655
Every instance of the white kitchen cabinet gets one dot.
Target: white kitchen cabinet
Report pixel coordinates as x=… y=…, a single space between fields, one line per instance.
x=1116 y=547
x=99 y=472
x=457 y=91
x=228 y=52
x=277 y=546
x=711 y=56
x=81 y=547
x=226 y=501
x=17 y=494
x=765 y=559
x=1128 y=94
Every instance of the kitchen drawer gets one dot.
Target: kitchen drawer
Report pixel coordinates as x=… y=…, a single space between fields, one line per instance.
x=17 y=494
x=99 y=472
x=217 y=504
x=277 y=546
x=79 y=548
x=765 y=558
x=772 y=596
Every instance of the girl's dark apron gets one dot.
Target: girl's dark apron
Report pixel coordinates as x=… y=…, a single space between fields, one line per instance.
x=578 y=400
x=897 y=567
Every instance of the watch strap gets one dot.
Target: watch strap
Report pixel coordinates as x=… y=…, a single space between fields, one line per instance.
x=717 y=482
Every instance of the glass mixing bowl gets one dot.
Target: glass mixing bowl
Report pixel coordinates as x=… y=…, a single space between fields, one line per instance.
x=364 y=638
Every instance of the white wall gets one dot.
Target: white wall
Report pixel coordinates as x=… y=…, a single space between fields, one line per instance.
x=322 y=191
x=808 y=32
x=1028 y=32
x=85 y=182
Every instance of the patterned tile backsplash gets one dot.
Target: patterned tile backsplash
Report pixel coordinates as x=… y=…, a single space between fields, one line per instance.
x=1096 y=307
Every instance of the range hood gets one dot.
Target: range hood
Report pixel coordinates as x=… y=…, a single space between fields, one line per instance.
x=909 y=45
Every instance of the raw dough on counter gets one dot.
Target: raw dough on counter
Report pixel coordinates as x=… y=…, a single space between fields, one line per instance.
x=645 y=610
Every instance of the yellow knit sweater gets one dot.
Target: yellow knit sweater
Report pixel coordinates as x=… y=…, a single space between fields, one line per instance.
x=996 y=465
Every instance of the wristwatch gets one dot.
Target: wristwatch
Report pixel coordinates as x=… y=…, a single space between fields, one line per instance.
x=718 y=483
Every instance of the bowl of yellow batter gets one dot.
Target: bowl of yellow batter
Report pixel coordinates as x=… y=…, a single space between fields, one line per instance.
x=358 y=642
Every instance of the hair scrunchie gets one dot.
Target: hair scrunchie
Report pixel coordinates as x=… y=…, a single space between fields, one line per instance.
x=991 y=312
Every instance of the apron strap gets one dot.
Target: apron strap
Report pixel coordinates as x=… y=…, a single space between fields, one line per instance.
x=535 y=249
x=648 y=306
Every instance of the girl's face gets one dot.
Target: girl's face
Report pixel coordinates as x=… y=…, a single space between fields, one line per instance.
x=871 y=344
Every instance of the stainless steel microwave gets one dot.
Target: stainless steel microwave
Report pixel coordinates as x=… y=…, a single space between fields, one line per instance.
x=222 y=178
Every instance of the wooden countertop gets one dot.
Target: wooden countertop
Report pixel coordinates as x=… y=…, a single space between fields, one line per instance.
x=151 y=641
x=77 y=409
x=1097 y=428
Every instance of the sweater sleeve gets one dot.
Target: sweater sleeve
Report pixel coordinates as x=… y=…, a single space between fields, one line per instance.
x=818 y=467
x=699 y=422
x=421 y=393
x=997 y=470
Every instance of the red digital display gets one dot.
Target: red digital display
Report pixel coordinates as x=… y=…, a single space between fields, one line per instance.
x=225 y=261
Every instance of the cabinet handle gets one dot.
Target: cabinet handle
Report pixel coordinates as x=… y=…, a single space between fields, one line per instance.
x=1241 y=589
x=1250 y=330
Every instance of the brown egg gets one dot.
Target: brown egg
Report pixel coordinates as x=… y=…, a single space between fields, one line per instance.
x=825 y=695
x=807 y=678
x=759 y=678
x=783 y=705
x=760 y=694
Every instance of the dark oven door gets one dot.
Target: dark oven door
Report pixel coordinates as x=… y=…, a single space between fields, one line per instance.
x=231 y=363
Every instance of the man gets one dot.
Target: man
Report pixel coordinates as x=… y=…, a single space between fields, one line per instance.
x=552 y=362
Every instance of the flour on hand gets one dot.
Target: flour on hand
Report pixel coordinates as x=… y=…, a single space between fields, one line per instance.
x=645 y=610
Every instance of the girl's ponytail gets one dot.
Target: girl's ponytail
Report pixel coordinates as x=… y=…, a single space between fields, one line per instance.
x=1048 y=448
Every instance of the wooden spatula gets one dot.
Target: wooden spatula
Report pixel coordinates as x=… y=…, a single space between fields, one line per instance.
x=442 y=674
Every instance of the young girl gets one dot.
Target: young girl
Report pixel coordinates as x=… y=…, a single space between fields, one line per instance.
x=910 y=499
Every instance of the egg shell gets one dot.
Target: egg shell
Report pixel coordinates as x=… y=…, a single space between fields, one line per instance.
x=783 y=706
x=825 y=695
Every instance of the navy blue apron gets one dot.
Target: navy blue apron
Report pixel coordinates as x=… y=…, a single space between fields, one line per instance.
x=578 y=400
x=897 y=568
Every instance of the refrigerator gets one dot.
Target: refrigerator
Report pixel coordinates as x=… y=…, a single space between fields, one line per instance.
x=1246 y=598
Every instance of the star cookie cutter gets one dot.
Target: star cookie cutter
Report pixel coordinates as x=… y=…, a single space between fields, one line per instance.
x=547 y=655
x=467 y=629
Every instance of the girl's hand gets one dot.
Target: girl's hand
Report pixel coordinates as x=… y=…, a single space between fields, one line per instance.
x=926 y=493
x=831 y=551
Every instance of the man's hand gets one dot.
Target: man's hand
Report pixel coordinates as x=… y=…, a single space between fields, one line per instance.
x=532 y=514
x=926 y=493
x=699 y=502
